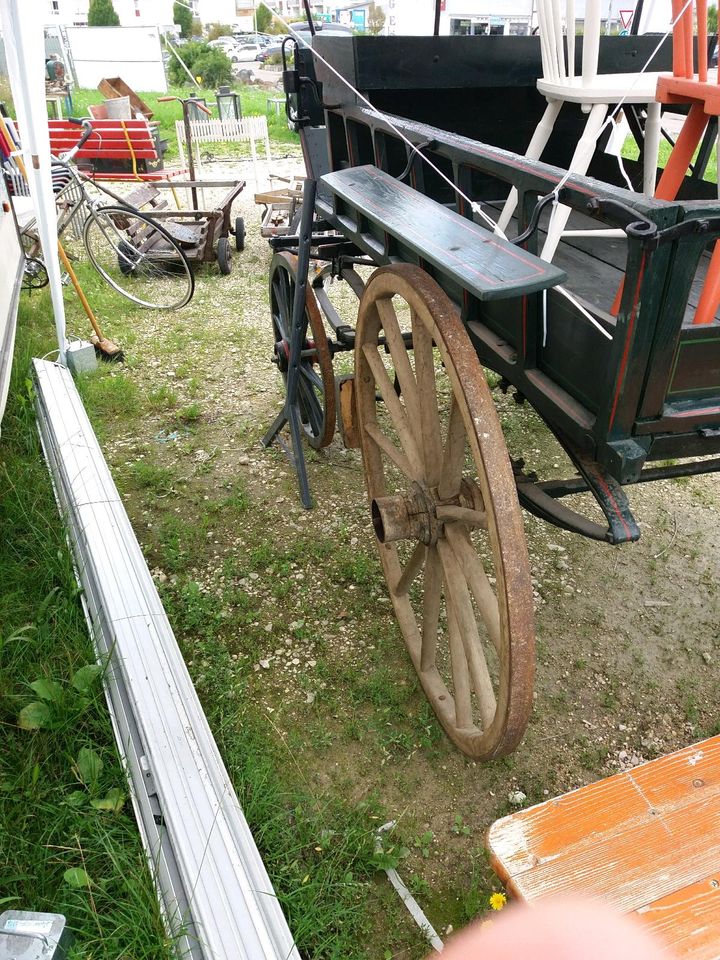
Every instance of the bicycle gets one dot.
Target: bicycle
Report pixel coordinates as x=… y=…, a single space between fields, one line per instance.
x=134 y=253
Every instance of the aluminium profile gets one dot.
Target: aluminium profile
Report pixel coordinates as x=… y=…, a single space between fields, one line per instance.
x=213 y=886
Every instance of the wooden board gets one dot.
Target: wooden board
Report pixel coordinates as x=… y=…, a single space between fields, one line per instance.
x=486 y=265
x=646 y=841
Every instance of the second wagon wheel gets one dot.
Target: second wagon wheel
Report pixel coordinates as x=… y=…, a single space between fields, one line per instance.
x=445 y=511
x=316 y=388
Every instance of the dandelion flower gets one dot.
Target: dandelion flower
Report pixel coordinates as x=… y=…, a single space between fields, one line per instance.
x=498 y=901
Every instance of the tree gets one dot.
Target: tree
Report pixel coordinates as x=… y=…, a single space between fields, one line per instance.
x=376 y=19
x=712 y=19
x=263 y=18
x=213 y=66
x=102 y=14
x=216 y=30
x=184 y=18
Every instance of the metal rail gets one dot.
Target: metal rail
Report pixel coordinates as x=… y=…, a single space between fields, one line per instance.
x=213 y=888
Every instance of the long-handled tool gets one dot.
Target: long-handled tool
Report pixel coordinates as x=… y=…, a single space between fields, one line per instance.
x=107 y=349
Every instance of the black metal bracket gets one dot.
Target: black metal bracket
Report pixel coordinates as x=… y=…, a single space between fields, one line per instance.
x=635 y=226
x=688 y=228
x=535 y=218
x=648 y=233
x=541 y=499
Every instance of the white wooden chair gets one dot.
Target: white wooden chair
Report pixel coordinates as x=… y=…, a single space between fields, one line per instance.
x=594 y=92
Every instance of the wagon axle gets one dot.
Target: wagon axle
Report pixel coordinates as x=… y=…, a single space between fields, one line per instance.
x=421 y=514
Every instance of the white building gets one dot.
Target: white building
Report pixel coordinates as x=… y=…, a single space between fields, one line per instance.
x=132 y=13
x=459 y=17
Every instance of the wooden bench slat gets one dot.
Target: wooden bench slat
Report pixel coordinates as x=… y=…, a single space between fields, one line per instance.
x=688 y=920
x=486 y=265
x=645 y=841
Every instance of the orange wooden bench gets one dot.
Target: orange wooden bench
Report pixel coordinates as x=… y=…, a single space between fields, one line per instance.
x=646 y=841
x=117 y=149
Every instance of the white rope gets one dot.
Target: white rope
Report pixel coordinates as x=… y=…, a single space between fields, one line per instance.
x=475 y=207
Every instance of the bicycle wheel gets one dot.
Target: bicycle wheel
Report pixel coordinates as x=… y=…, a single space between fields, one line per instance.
x=138 y=258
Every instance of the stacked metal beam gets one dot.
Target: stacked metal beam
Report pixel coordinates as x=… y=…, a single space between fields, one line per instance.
x=212 y=883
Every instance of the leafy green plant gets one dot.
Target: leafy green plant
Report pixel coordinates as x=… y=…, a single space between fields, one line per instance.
x=460 y=828
x=423 y=842
x=212 y=65
x=101 y=13
x=58 y=703
x=183 y=17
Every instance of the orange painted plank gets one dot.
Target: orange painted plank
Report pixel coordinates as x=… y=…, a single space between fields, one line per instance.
x=688 y=920
x=684 y=90
x=630 y=839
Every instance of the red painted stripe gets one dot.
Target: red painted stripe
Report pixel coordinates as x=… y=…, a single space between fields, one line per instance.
x=628 y=339
x=614 y=502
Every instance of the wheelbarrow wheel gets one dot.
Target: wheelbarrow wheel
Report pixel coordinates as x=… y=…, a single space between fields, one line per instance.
x=445 y=511
x=138 y=258
x=224 y=255
x=239 y=234
x=316 y=387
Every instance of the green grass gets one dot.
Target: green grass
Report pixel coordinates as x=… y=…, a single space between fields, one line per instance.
x=252 y=99
x=63 y=796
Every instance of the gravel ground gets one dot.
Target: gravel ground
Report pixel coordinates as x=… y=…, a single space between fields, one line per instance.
x=628 y=640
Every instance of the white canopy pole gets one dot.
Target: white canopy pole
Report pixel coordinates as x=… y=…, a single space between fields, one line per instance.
x=25 y=53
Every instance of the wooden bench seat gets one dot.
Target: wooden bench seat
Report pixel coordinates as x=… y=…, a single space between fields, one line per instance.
x=122 y=150
x=646 y=841
x=486 y=265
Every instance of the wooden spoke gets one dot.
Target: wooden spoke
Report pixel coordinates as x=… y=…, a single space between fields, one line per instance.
x=400 y=358
x=476 y=669
x=431 y=609
x=428 y=401
x=390 y=450
x=472 y=518
x=458 y=600
x=460 y=674
x=412 y=569
x=478 y=582
x=453 y=459
x=392 y=402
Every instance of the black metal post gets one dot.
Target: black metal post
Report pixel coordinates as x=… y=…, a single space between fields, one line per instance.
x=436 y=26
x=290 y=413
x=188 y=141
x=308 y=14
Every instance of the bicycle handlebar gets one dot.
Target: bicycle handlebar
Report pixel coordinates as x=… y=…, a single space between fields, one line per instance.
x=86 y=134
x=186 y=100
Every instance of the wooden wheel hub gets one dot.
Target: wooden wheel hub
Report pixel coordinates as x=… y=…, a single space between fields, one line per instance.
x=420 y=515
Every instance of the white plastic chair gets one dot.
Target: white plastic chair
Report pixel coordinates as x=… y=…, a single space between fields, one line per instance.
x=594 y=92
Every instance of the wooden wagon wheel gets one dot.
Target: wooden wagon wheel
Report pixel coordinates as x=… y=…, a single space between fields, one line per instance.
x=316 y=389
x=445 y=511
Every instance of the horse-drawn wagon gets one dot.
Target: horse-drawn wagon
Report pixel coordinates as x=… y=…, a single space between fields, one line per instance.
x=409 y=179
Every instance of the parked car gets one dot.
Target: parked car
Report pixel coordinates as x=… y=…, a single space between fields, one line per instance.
x=223 y=43
x=246 y=52
x=270 y=50
x=326 y=29
x=262 y=38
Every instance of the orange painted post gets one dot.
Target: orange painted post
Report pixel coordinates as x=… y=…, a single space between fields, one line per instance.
x=702 y=39
x=678 y=39
x=682 y=153
x=710 y=296
x=689 y=65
